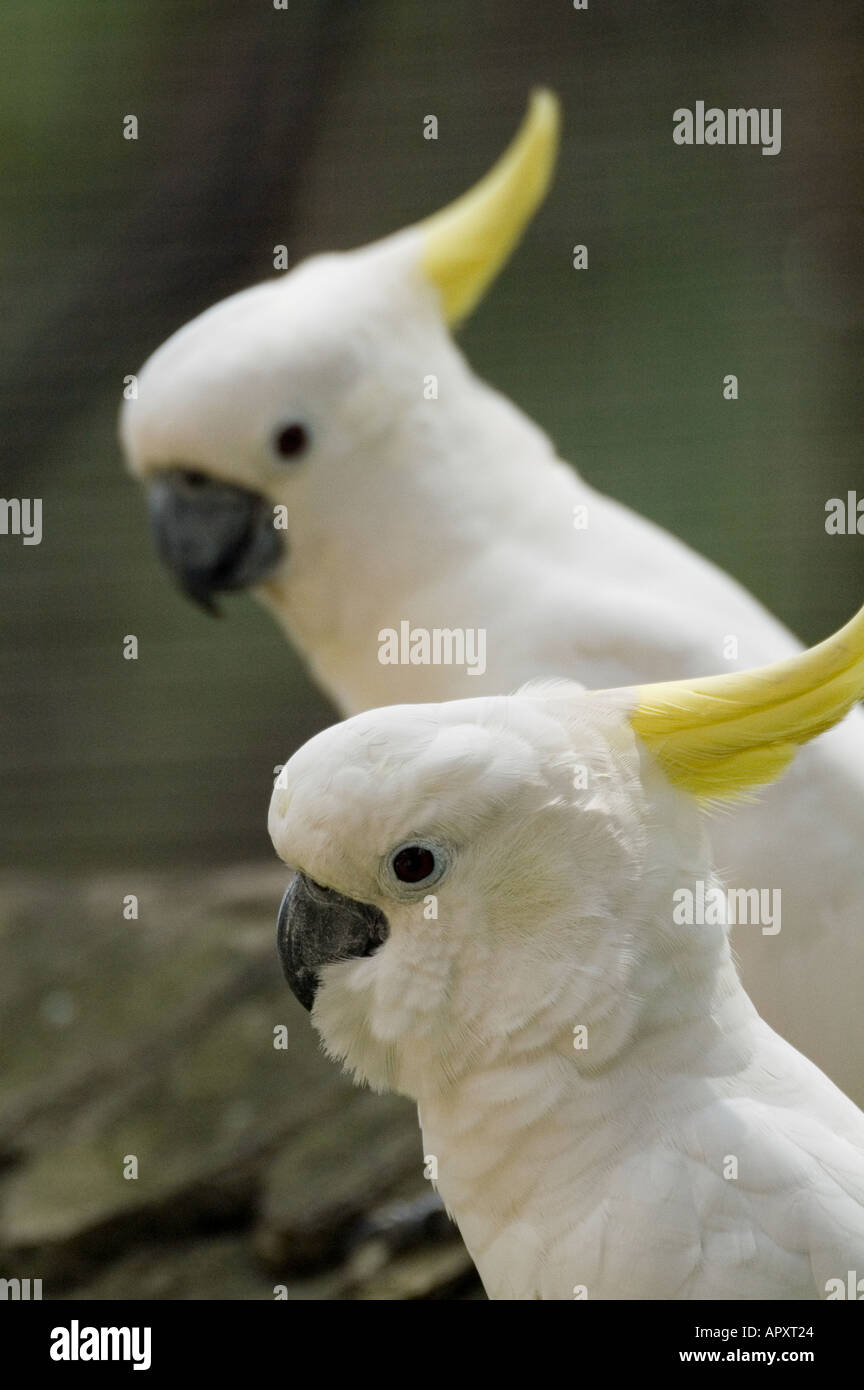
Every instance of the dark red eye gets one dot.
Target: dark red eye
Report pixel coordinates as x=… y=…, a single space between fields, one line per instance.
x=291 y=441
x=413 y=863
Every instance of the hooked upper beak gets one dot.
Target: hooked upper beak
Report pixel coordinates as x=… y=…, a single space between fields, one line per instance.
x=211 y=535
x=317 y=927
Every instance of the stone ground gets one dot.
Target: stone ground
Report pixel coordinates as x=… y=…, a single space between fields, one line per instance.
x=258 y=1167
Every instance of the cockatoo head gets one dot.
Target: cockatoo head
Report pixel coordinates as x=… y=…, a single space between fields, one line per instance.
x=295 y=395
x=435 y=904
x=490 y=869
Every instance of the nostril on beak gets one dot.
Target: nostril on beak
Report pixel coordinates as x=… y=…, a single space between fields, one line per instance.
x=193 y=478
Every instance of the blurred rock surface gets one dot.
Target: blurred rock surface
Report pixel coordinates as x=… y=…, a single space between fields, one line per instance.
x=261 y=1171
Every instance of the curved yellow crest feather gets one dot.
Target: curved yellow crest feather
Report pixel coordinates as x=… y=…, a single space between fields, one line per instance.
x=467 y=243
x=718 y=736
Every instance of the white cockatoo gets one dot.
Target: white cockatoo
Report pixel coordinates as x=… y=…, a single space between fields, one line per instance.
x=486 y=914
x=321 y=439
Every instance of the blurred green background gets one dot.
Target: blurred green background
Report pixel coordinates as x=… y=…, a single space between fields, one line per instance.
x=260 y=126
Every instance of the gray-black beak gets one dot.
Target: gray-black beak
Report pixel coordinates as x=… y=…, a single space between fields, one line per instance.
x=317 y=927
x=211 y=535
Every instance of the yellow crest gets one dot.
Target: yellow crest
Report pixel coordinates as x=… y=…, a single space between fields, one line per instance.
x=721 y=735
x=467 y=243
